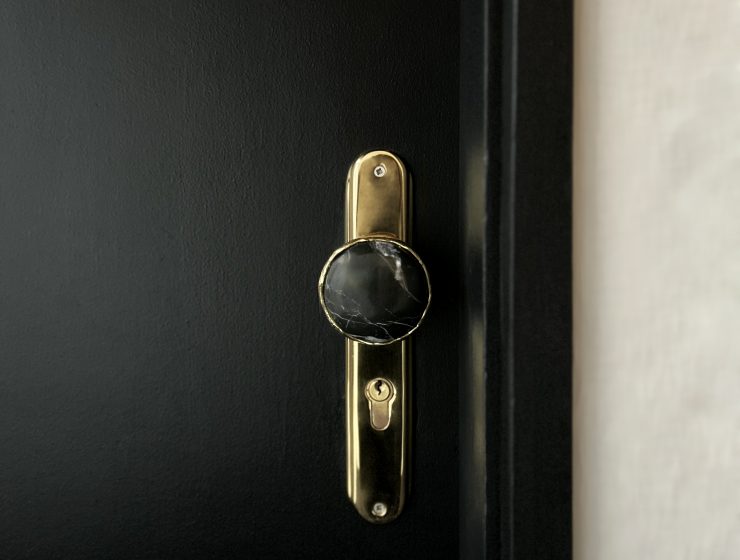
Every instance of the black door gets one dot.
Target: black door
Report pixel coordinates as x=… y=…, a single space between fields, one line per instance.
x=171 y=182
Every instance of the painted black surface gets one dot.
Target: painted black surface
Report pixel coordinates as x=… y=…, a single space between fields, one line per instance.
x=171 y=181
x=515 y=130
x=375 y=291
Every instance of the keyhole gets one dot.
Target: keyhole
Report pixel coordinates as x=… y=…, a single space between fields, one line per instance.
x=379 y=393
x=379 y=387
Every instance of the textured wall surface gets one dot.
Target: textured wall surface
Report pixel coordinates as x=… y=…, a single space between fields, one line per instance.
x=657 y=280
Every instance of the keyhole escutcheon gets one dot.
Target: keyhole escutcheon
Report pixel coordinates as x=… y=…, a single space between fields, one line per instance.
x=380 y=395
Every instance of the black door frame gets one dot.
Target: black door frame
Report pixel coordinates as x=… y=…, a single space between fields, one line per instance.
x=515 y=384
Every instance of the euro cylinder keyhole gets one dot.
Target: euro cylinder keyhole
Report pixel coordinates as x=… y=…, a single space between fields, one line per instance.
x=380 y=391
x=380 y=395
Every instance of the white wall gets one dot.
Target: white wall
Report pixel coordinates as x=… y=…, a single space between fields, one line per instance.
x=657 y=280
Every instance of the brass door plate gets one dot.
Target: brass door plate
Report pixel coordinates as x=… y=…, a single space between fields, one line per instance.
x=378 y=391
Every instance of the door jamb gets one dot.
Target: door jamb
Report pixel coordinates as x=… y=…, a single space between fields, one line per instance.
x=515 y=381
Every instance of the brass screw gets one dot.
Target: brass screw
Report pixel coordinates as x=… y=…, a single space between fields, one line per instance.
x=379 y=509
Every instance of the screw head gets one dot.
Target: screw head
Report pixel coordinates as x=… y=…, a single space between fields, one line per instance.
x=379 y=509
x=379 y=170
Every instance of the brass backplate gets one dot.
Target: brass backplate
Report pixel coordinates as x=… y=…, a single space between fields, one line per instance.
x=377 y=204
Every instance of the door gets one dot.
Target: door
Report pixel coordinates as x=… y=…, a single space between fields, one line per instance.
x=172 y=181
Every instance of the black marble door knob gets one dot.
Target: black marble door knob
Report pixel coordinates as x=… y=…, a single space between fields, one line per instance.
x=375 y=291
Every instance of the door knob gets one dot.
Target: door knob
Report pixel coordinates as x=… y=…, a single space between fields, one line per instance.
x=375 y=290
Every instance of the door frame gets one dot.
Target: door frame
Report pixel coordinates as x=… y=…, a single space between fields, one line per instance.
x=516 y=337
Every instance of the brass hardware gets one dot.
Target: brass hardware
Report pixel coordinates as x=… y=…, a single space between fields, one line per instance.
x=377 y=367
x=379 y=509
x=378 y=390
x=377 y=204
x=380 y=395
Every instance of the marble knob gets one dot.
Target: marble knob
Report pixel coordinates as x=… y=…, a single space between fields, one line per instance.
x=375 y=291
